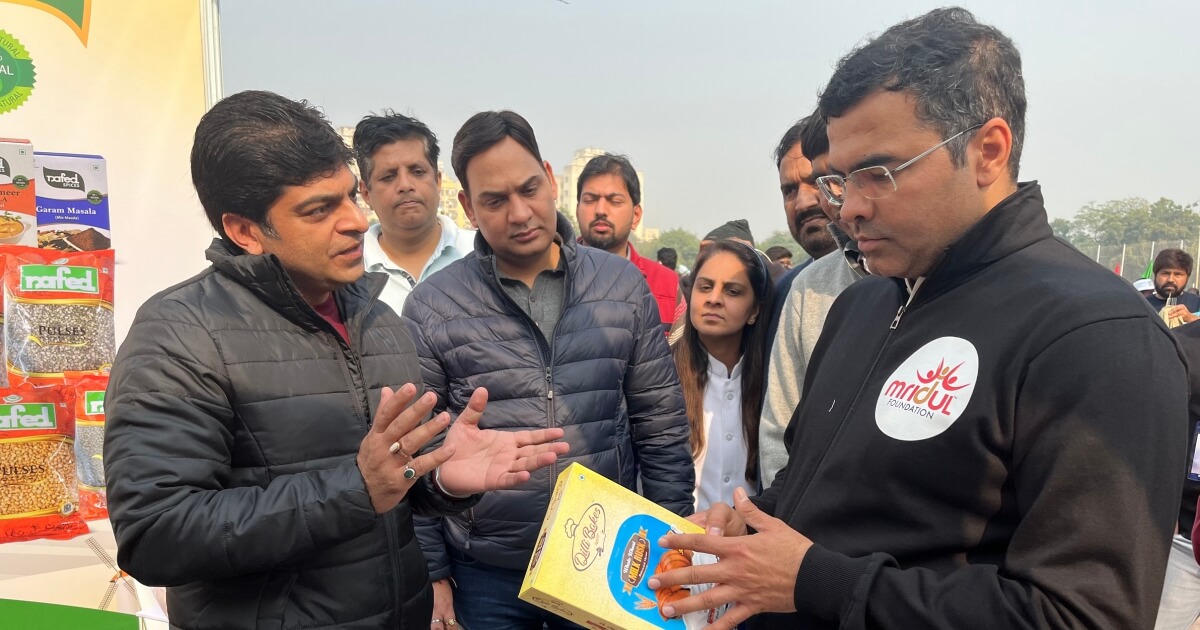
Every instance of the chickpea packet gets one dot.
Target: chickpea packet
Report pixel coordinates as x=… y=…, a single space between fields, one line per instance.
x=38 y=493
x=58 y=314
x=87 y=390
x=596 y=551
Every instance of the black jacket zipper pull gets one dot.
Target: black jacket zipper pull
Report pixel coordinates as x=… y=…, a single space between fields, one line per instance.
x=912 y=294
x=549 y=390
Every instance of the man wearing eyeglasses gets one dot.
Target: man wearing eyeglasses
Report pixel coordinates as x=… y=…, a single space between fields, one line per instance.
x=990 y=437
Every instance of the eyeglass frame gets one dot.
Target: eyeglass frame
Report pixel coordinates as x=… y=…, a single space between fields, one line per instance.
x=823 y=181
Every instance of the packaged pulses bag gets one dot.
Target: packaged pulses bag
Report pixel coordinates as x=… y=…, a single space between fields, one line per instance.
x=38 y=494
x=87 y=390
x=58 y=314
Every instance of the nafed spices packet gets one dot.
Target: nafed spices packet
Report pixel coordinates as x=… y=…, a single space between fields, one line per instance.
x=88 y=393
x=38 y=494
x=58 y=314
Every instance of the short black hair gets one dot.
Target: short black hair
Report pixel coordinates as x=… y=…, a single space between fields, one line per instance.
x=252 y=145
x=960 y=72
x=375 y=131
x=483 y=131
x=814 y=141
x=611 y=164
x=1173 y=259
x=668 y=257
x=810 y=133
x=789 y=140
x=775 y=252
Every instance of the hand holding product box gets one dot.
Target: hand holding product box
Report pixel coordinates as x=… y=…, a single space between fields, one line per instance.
x=597 y=548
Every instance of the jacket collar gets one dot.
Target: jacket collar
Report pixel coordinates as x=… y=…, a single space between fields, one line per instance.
x=566 y=238
x=1014 y=224
x=265 y=277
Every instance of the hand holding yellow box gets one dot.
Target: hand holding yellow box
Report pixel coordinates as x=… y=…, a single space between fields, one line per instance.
x=597 y=548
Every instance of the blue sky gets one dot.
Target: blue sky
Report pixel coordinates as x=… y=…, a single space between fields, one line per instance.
x=698 y=92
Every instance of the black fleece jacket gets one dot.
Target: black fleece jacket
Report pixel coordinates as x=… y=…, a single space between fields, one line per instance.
x=1003 y=452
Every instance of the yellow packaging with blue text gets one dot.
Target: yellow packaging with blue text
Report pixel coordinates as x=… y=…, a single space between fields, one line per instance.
x=597 y=548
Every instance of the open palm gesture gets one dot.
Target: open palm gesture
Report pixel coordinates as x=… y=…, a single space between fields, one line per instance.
x=487 y=459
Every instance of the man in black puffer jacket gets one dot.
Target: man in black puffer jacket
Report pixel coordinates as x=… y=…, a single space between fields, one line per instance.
x=561 y=336
x=244 y=469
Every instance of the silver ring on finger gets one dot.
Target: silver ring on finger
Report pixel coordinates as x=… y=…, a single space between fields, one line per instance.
x=410 y=472
x=434 y=620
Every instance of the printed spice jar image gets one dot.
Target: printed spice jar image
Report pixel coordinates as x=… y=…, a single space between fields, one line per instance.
x=38 y=494
x=58 y=313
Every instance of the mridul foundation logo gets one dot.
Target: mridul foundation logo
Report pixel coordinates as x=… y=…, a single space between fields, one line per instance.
x=929 y=391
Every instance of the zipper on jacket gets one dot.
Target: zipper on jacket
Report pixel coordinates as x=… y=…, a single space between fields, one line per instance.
x=470 y=529
x=850 y=408
x=360 y=397
x=549 y=365
x=912 y=293
x=545 y=346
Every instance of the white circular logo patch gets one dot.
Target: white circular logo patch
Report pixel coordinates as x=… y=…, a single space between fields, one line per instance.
x=929 y=391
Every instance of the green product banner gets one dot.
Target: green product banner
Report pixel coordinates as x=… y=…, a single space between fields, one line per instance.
x=16 y=73
x=38 y=616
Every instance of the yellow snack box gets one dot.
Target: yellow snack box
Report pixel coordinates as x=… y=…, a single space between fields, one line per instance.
x=598 y=547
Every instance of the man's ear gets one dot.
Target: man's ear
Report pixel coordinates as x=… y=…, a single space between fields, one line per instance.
x=465 y=201
x=362 y=190
x=994 y=141
x=553 y=181
x=243 y=232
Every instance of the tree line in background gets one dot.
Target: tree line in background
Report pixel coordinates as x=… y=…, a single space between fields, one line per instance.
x=1111 y=223
x=1131 y=220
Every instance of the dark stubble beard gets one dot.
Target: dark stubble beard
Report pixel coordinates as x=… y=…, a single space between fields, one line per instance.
x=606 y=242
x=816 y=243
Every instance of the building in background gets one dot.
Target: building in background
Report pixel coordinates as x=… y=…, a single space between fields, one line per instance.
x=449 y=204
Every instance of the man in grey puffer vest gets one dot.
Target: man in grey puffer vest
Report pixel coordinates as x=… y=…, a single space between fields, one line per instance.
x=561 y=335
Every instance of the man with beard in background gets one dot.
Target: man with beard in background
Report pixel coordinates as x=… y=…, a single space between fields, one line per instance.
x=609 y=199
x=804 y=305
x=801 y=204
x=1172 y=269
x=798 y=184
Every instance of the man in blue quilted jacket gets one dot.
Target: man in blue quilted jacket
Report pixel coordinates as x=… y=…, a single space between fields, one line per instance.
x=561 y=335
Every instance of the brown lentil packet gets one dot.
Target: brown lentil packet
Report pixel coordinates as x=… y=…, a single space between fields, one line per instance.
x=58 y=314
x=87 y=390
x=38 y=493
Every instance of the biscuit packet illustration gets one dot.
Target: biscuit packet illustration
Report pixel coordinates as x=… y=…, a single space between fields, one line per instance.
x=596 y=551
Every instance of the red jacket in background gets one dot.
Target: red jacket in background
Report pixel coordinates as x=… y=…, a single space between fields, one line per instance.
x=664 y=285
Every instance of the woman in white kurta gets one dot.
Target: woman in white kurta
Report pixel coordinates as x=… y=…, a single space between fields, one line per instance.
x=721 y=359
